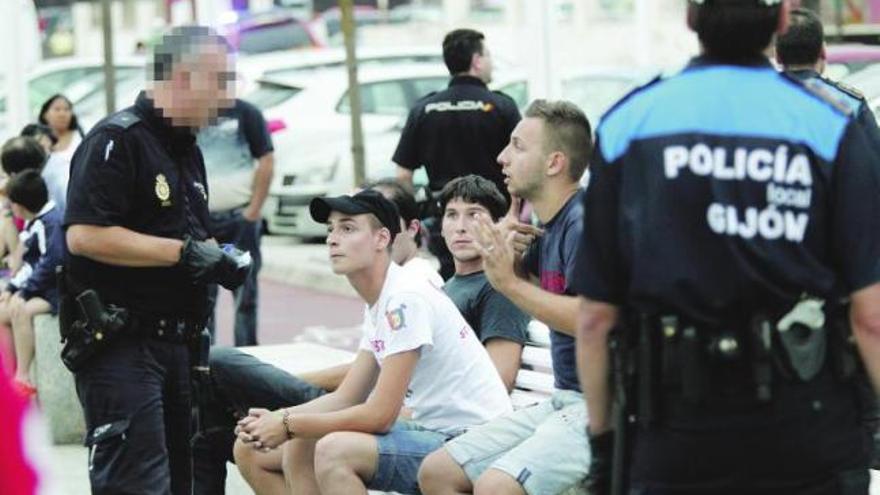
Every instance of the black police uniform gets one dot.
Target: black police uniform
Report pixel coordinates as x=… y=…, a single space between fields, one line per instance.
x=453 y=133
x=719 y=199
x=136 y=171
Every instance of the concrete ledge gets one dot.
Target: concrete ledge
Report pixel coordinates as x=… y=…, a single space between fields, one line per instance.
x=56 y=391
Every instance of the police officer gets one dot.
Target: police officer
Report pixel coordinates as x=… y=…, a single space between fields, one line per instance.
x=801 y=52
x=457 y=131
x=140 y=261
x=729 y=213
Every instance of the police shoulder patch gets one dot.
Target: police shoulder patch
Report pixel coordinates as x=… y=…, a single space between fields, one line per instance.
x=817 y=88
x=123 y=119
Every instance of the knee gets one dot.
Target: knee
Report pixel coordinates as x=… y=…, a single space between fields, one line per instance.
x=243 y=454
x=330 y=454
x=494 y=482
x=432 y=476
x=439 y=474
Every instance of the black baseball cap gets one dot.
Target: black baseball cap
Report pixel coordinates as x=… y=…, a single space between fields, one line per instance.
x=366 y=201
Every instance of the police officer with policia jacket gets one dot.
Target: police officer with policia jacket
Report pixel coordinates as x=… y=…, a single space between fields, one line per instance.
x=730 y=256
x=133 y=301
x=457 y=131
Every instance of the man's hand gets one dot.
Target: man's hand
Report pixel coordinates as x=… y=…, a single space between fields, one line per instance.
x=251 y=214
x=497 y=252
x=206 y=262
x=524 y=234
x=5 y=296
x=262 y=428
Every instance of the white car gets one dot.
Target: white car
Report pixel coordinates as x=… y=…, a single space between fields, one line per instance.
x=313 y=155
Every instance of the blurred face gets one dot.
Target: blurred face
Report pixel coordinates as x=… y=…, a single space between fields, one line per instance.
x=352 y=242
x=59 y=115
x=523 y=161
x=458 y=217
x=18 y=211
x=200 y=86
x=45 y=142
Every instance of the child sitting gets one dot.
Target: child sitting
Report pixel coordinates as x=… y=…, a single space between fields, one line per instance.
x=32 y=290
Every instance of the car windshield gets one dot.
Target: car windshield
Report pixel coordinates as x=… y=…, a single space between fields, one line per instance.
x=268 y=95
x=368 y=61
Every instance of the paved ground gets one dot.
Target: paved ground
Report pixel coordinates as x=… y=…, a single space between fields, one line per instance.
x=301 y=300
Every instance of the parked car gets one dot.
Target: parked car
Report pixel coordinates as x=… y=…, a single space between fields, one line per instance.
x=849 y=58
x=317 y=158
x=596 y=90
x=268 y=31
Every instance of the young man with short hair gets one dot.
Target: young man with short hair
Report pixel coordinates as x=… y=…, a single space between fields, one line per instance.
x=499 y=324
x=543 y=448
x=417 y=352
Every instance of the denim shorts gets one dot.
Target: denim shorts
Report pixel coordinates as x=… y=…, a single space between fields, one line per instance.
x=401 y=452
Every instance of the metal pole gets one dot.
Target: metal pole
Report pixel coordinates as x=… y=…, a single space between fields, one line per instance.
x=354 y=94
x=109 y=68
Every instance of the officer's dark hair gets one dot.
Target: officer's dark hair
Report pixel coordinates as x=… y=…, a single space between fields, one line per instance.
x=734 y=30
x=459 y=47
x=475 y=189
x=568 y=130
x=28 y=189
x=22 y=153
x=802 y=43
x=74 y=122
x=401 y=197
x=178 y=44
x=37 y=131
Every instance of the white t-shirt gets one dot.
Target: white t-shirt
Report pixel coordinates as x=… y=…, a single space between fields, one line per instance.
x=454 y=385
x=424 y=268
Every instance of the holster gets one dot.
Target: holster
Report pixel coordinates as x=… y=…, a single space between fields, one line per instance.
x=86 y=324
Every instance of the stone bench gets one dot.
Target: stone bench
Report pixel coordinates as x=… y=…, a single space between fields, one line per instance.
x=56 y=392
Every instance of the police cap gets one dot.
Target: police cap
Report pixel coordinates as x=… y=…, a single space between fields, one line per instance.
x=366 y=201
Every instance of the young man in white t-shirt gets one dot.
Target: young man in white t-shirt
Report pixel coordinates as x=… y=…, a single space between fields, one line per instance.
x=417 y=352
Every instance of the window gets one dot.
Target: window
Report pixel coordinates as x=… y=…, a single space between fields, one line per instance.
x=268 y=95
x=519 y=91
x=381 y=98
x=422 y=87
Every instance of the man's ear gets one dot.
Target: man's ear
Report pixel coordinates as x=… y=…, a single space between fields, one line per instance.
x=557 y=163
x=384 y=239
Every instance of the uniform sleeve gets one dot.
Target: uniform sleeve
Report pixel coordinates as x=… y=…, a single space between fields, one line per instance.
x=598 y=273
x=102 y=181
x=512 y=117
x=500 y=318
x=256 y=132
x=407 y=153
x=855 y=201
x=407 y=322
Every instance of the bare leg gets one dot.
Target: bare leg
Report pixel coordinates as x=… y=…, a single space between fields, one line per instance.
x=261 y=470
x=23 y=329
x=441 y=475
x=495 y=482
x=345 y=462
x=299 y=466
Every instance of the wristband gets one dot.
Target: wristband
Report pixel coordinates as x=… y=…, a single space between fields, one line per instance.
x=285 y=420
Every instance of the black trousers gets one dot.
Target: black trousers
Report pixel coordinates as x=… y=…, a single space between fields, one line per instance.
x=136 y=398
x=239 y=381
x=811 y=439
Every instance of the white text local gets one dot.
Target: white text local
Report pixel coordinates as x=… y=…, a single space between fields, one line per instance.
x=759 y=165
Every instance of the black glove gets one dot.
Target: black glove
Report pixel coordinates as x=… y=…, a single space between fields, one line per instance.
x=598 y=480
x=206 y=262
